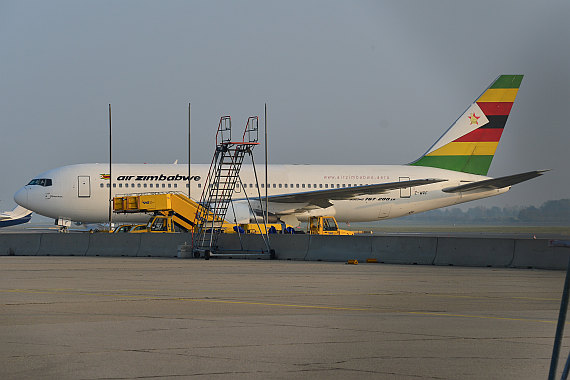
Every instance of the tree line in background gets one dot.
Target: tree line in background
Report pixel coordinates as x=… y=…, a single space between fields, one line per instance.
x=550 y=212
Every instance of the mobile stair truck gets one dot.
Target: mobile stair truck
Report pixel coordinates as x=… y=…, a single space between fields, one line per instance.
x=221 y=181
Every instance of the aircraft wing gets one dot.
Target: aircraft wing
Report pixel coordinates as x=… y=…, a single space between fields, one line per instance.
x=322 y=198
x=496 y=183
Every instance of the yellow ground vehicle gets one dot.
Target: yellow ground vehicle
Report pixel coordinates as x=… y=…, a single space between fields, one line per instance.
x=176 y=213
x=126 y=228
x=159 y=224
x=122 y=228
x=325 y=225
x=173 y=212
x=137 y=228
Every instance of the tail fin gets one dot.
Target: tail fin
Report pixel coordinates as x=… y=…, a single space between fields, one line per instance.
x=470 y=143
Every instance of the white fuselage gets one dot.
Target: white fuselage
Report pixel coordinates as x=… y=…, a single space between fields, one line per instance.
x=81 y=192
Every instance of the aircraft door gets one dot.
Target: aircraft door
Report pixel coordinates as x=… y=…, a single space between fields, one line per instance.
x=83 y=186
x=384 y=210
x=407 y=191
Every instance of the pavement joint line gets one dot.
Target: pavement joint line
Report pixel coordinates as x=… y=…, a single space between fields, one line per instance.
x=478 y=316
x=273 y=304
x=86 y=292
x=491 y=297
x=144 y=297
x=369 y=309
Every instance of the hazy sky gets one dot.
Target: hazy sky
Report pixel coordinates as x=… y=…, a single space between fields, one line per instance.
x=353 y=82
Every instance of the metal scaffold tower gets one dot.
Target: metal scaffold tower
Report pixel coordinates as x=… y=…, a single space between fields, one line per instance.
x=222 y=179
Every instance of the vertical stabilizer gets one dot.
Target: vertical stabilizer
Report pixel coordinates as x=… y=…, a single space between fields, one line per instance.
x=470 y=143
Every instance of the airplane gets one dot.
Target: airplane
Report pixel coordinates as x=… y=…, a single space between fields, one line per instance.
x=452 y=171
x=17 y=216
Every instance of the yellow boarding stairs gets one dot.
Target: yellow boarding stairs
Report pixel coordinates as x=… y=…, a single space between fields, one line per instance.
x=179 y=207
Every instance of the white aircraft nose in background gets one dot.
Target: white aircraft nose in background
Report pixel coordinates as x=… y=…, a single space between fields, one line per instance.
x=17 y=216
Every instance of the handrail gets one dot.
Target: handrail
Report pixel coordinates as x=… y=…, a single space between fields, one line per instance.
x=225 y=121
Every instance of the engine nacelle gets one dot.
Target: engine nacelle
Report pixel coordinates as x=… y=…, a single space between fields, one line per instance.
x=244 y=215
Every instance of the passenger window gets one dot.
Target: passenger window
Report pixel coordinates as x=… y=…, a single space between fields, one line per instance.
x=274 y=185
x=120 y=185
x=169 y=185
x=175 y=185
x=280 y=186
x=144 y=185
x=150 y=185
x=114 y=185
x=326 y=185
x=303 y=185
x=320 y=185
x=101 y=185
x=138 y=185
x=199 y=185
x=297 y=185
x=309 y=185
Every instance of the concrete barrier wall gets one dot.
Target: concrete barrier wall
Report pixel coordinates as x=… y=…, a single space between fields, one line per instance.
x=253 y=243
x=64 y=244
x=339 y=248
x=530 y=253
x=103 y=244
x=404 y=249
x=475 y=252
x=19 y=244
x=161 y=245
x=517 y=253
x=290 y=247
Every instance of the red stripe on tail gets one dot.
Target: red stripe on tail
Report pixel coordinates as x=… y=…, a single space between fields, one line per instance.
x=482 y=135
x=495 y=108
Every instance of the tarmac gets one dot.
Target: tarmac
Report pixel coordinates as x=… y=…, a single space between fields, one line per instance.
x=132 y=318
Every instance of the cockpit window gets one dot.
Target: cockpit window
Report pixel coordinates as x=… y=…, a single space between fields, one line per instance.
x=41 y=182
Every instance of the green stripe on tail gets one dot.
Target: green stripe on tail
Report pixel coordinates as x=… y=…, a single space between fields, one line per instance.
x=449 y=151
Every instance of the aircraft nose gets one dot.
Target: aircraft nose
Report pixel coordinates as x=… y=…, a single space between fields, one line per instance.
x=21 y=197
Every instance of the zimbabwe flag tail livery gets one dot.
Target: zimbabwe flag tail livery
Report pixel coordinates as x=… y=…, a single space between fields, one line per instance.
x=470 y=143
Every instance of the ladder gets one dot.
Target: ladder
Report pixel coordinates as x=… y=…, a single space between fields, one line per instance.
x=222 y=179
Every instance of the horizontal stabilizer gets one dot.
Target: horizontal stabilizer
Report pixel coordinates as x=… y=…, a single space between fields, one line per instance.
x=495 y=183
x=321 y=198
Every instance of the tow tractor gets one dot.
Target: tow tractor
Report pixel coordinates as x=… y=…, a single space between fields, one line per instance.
x=325 y=225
